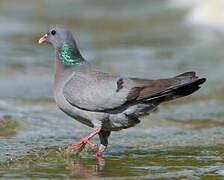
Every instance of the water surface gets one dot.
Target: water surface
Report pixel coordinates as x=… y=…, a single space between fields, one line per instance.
x=183 y=139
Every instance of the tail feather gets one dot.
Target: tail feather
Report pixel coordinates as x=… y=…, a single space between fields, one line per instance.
x=188 y=74
x=189 y=88
x=188 y=84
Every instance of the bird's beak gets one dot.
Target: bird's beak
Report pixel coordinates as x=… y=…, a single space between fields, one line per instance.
x=43 y=39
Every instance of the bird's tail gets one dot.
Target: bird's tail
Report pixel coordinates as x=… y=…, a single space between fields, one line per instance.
x=185 y=84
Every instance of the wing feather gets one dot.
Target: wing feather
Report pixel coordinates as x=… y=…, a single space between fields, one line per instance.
x=98 y=91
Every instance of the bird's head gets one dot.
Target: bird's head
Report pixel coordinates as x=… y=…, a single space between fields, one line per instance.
x=62 y=40
x=57 y=35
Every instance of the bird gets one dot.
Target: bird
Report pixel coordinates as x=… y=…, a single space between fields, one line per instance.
x=104 y=101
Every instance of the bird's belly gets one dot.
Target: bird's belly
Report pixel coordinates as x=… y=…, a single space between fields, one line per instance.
x=89 y=118
x=111 y=122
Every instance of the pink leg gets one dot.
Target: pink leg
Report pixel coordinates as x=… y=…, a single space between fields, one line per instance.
x=100 y=151
x=84 y=141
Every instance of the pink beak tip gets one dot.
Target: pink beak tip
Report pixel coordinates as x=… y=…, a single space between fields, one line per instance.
x=41 y=40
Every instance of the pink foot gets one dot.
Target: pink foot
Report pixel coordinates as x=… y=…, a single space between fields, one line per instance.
x=100 y=151
x=84 y=141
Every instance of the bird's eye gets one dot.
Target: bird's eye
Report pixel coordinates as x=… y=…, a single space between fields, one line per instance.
x=53 y=32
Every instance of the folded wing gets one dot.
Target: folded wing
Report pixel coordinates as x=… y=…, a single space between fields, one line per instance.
x=100 y=91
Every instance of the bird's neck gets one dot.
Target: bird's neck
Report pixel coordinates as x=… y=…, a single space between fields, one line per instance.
x=62 y=71
x=69 y=55
x=68 y=58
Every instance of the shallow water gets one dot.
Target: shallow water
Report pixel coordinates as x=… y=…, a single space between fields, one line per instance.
x=183 y=139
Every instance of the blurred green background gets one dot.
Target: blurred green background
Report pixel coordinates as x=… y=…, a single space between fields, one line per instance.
x=150 y=39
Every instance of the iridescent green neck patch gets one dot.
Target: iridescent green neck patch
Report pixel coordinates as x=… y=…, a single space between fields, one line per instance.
x=66 y=57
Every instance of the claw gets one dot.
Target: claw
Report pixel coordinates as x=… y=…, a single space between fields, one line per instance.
x=74 y=146
x=84 y=141
x=90 y=143
x=82 y=147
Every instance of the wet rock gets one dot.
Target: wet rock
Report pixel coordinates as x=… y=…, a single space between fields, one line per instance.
x=8 y=126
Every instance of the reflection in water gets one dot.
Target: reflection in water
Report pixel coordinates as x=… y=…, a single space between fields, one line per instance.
x=101 y=162
x=79 y=168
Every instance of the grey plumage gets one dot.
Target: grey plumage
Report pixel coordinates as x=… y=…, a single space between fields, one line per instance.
x=104 y=101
